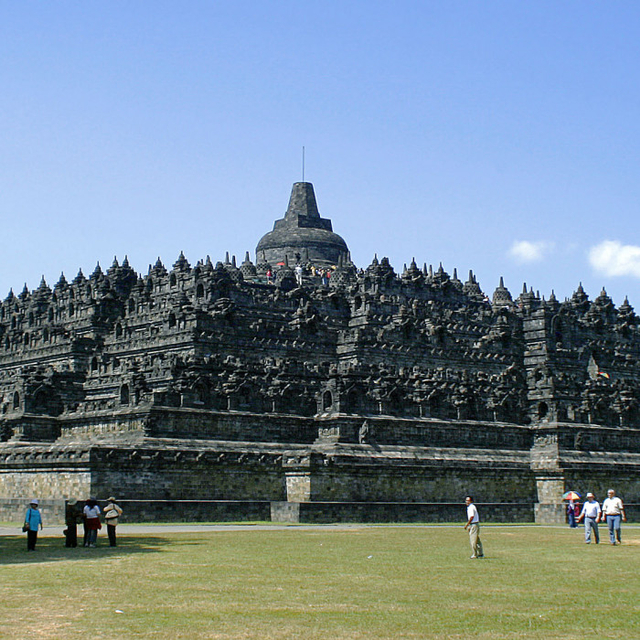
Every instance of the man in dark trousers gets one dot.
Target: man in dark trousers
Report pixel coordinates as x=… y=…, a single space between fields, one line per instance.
x=111 y=514
x=32 y=522
x=71 y=515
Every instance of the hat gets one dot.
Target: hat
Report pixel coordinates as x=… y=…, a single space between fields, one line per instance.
x=34 y=501
x=590 y=495
x=111 y=499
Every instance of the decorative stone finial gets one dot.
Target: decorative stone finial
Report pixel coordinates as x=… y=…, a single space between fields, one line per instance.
x=501 y=296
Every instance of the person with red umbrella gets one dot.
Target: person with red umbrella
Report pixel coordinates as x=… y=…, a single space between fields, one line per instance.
x=573 y=507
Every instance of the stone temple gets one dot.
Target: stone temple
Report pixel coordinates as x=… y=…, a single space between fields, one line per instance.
x=271 y=390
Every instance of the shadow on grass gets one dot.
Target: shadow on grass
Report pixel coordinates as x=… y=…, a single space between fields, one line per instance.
x=13 y=549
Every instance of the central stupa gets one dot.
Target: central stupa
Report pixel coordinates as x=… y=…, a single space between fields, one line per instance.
x=302 y=235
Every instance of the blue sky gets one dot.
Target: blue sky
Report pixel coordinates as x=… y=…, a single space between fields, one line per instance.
x=501 y=137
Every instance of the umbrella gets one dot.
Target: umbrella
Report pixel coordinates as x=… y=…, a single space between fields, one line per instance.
x=571 y=495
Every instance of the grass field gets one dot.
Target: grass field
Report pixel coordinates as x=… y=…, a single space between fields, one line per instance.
x=369 y=582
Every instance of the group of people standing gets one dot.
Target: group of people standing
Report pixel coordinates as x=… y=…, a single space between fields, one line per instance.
x=88 y=516
x=300 y=270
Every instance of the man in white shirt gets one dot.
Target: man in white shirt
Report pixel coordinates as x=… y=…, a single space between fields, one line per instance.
x=613 y=512
x=473 y=525
x=591 y=513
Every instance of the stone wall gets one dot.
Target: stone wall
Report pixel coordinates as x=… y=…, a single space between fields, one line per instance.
x=13 y=510
x=420 y=483
x=48 y=484
x=214 y=483
x=194 y=511
x=236 y=426
x=331 y=512
x=423 y=432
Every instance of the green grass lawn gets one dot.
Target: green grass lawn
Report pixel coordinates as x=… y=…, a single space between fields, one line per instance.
x=386 y=582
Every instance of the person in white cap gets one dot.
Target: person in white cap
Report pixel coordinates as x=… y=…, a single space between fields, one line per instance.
x=32 y=520
x=591 y=513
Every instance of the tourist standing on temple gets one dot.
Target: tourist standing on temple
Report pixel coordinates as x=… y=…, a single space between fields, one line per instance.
x=32 y=520
x=91 y=513
x=111 y=514
x=591 y=513
x=473 y=525
x=613 y=512
x=71 y=521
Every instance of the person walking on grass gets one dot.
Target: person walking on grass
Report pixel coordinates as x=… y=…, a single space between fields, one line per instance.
x=32 y=520
x=591 y=514
x=473 y=526
x=613 y=512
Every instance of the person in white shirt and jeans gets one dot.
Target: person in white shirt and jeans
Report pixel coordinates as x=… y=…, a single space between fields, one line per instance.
x=591 y=513
x=613 y=512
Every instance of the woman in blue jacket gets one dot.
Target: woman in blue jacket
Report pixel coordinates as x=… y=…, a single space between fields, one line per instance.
x=32 y=521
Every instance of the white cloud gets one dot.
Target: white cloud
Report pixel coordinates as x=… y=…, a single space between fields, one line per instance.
x=525 y=251
x=612 y=258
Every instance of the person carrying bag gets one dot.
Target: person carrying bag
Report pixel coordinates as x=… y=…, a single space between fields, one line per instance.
x=32 y=520
x=111 y=514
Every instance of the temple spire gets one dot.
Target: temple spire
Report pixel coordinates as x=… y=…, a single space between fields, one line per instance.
x=302 y=203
